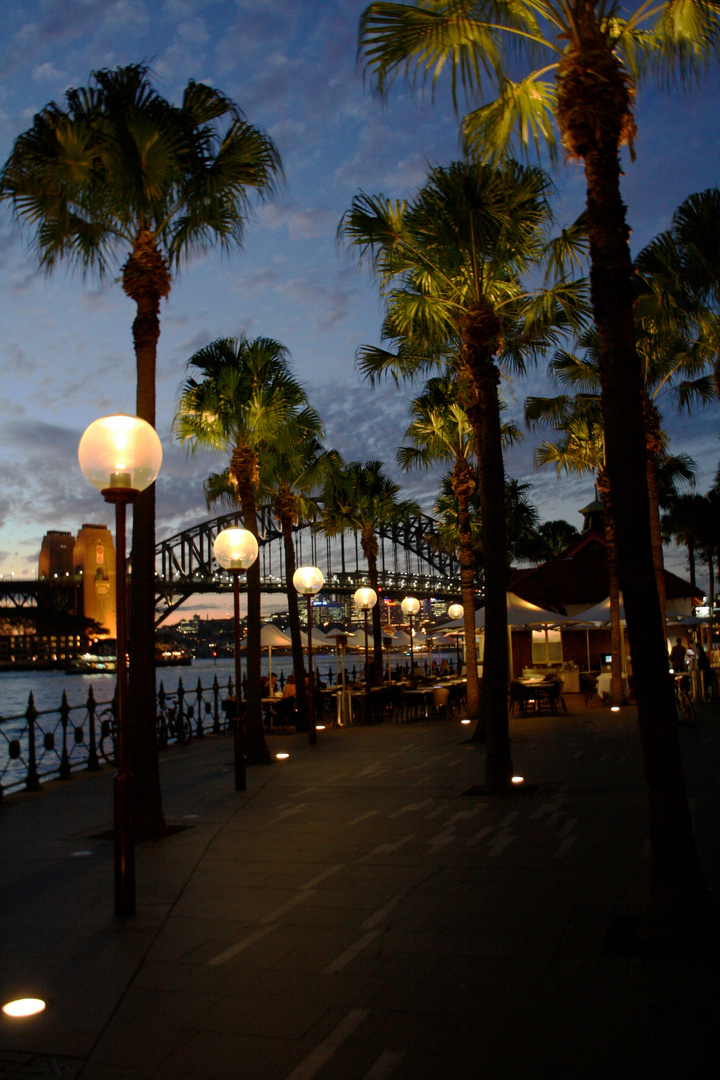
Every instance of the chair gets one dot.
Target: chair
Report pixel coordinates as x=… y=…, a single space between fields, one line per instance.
x=284 y=712
x=441 y=701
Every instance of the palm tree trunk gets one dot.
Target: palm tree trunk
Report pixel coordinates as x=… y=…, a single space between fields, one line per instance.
x=148 y=816
x=301 y=700
x=678 y=897
x=481 y=386
x=466 y=555
x=617 y=693
x=653 y=446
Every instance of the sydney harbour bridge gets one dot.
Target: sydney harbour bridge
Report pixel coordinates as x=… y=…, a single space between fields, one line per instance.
x=410 y=559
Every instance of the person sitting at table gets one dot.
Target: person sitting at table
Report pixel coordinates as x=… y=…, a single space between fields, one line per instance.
x=290 y=688
x=275 y=690
x=445 y=667
x=264 y=687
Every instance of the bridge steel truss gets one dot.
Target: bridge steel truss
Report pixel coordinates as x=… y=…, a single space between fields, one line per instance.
x=410 y=558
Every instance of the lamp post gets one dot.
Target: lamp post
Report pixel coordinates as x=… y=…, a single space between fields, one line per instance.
x=121 y=456
x=235 y=550
x=308 y=581
x=365 y=600
x=456 y=611
x=410 y=606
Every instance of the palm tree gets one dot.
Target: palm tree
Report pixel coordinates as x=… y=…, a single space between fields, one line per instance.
x=671 y=367
x=595 y=57
x=359 y=497
x=554 y=537
x=293 y=468
x=244 y=395
x=685 y=264
x=440 y=432
x=119 y=177
x=451 y=264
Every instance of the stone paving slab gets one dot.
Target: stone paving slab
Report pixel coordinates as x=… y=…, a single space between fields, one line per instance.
x=362 y=912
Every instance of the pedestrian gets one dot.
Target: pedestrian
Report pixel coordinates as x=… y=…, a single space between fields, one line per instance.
x=677 y=657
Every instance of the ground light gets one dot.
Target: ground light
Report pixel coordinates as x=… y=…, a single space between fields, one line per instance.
x=465 y=721
x=614 y=708
x=517 y=779
x=24 y=1007
x=281 y=757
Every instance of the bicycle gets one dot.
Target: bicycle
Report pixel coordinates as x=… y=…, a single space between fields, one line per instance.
x=683 y=701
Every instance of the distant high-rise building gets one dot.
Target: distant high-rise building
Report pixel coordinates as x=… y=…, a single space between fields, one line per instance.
x=56 y=555
x=94 y=558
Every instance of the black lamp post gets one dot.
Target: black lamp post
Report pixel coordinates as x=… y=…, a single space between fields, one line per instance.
x=410 y=606
x=308 y=581
x=456 y=611
x=365 y=600
x=235 y=550
x=121 y=456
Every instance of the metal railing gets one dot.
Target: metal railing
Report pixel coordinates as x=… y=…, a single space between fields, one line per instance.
x=41 y=745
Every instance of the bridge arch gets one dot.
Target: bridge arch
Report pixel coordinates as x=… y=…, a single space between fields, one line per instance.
x=409 y=558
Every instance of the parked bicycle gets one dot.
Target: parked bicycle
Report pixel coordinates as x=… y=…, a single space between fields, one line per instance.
x=683 y=701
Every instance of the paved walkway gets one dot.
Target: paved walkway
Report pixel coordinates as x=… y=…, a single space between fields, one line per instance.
x=358 y=915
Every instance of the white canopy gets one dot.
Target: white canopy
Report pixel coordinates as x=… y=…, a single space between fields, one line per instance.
x=600 y=613
x=520 y=613
x=272 y=638
x=318 y=639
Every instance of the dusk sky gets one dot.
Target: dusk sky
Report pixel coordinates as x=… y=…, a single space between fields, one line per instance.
x=66 y=353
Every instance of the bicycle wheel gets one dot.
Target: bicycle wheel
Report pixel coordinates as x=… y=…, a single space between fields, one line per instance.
x=687 y=709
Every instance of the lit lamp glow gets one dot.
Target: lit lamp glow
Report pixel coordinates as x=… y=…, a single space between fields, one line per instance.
x=121 y=456
x=308 y=581
x=24 y=1007
x=235 y=550
x=410 y=606
x=365 y=600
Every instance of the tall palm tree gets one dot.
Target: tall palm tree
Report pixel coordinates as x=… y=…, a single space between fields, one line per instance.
x=585 y=90
x=242 y=396
x=358 y=497
x=451 y=264
x=440 y=431
x=119 y=177
x=293 y=469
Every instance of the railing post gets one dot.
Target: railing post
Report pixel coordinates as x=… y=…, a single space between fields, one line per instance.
x=216 y=706
x=162 y=734
x=180 y=723
x=199 y=729
x=93 y=759
x=64 y=757
x=31 y=714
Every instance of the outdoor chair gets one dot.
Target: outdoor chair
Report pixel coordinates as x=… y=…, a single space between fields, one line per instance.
x=441 y=702
x=284 y=713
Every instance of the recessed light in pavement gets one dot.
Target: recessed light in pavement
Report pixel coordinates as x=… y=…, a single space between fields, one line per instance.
x=23 y=1007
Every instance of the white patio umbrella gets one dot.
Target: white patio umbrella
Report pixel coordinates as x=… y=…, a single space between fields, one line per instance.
x=272 y=638
x=599 y=615
x=521 y=614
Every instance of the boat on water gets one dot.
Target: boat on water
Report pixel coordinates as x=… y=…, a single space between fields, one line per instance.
x=92 y=662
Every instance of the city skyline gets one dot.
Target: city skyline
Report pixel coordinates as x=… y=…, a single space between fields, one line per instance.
x=66 y=352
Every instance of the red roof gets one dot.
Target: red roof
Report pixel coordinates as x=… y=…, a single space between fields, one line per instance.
x=579 y=577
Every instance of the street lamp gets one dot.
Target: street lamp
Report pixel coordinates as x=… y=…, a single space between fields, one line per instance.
x=365 y=600
x=456 y=611
x=410 y=606
x=235 y=550
x=308 y=581
x=121 y=456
